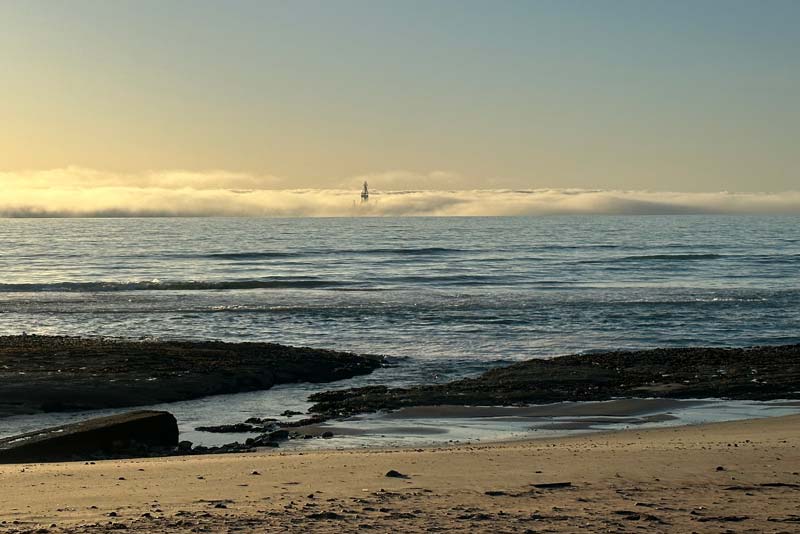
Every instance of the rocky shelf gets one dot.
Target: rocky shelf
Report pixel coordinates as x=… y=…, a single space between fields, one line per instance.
x=54 y=373
x=132 y=434
x=755 y=373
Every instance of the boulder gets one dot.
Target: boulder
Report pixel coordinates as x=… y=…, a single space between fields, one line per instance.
x=129 y=434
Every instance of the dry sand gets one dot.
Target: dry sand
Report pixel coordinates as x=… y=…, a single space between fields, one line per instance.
x=727 y=477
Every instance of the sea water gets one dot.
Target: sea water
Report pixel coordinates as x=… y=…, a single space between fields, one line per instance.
x=442 y=297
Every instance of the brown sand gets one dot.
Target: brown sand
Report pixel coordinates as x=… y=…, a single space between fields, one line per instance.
x=727 y=477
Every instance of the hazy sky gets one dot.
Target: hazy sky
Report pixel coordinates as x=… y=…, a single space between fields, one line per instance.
x=662 y=95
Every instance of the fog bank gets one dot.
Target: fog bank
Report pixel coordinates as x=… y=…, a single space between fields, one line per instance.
x=86 y=193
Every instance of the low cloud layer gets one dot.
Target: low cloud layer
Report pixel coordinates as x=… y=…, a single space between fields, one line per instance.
x=87 y=193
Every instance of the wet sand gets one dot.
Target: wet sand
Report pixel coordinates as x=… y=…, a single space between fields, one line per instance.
x=726 y=477
x=613 y=408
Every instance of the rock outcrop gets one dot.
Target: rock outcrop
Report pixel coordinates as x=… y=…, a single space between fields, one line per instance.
x=755 y=373
x=137 y=433
x=54 y=373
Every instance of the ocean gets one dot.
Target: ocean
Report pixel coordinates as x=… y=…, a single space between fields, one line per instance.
x=442 y=297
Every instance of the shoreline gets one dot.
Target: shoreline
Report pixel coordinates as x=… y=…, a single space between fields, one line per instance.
x=430 y=426
x=741 y=475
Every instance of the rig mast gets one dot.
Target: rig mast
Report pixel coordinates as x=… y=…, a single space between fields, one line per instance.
x=365 y=193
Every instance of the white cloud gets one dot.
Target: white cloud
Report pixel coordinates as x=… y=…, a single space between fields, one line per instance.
x=76 y=192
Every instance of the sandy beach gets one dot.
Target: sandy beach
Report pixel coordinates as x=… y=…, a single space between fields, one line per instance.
x=727 y=477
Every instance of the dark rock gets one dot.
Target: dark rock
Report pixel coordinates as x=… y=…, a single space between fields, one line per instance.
x=278 y=435
x=722 y=519
x=325 y=515
x=184 y=446
x=671 y=373
x=327 y=434
x=395 y=474
x=231 y=448
x=779 y=485
x=55 y=373
x=259 y=420
x=291 y=413
x=313 y=420
x=792 y=518
x=262 y=441
x=129 y=434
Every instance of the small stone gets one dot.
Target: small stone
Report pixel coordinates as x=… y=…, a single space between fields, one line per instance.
x=325 y=515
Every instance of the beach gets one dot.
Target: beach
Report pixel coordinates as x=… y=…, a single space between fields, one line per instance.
x=399 y=267
x=738 y=476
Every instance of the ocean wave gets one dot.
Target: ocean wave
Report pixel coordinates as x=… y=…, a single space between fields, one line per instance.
x=244 y=256
x=248 y=255
x=157 y=285
x=408 y=251
x=656 y=258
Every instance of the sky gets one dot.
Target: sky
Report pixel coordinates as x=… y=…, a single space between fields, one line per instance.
x=193 y=95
